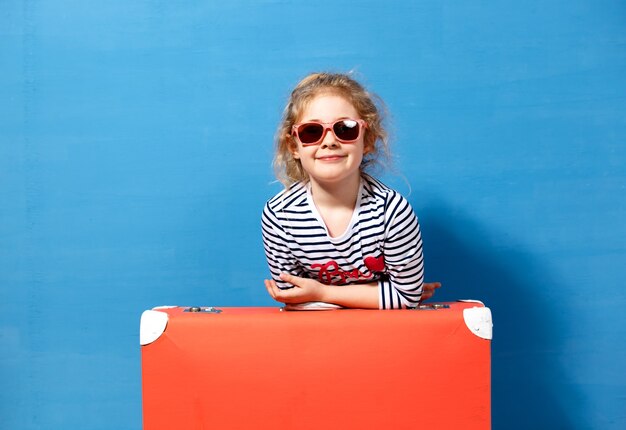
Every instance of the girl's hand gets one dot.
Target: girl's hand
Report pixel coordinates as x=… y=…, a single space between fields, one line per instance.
x=305 y=290
x=428 y=290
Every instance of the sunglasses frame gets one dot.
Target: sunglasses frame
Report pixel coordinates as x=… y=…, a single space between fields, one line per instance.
x=328 y=126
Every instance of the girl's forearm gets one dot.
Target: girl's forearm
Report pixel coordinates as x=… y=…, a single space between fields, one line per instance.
x=364 y=296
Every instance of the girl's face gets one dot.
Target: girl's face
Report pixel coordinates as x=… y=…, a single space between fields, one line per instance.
x=330 y=161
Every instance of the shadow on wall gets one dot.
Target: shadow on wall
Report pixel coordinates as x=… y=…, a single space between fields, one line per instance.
x=474 y=262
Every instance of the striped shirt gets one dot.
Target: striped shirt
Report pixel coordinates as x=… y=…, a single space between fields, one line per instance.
x=382 y=243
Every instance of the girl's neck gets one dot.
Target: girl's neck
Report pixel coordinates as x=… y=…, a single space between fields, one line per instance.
x=337 y=194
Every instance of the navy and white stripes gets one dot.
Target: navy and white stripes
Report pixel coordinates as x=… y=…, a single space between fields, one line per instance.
x=382 y=243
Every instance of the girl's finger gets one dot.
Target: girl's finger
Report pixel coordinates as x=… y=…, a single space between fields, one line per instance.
x=287 y=277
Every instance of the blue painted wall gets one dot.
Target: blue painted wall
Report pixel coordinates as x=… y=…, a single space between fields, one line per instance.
x=135 y=150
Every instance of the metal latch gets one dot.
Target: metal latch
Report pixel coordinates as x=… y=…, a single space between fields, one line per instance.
x=203 y=309
x=431 y=307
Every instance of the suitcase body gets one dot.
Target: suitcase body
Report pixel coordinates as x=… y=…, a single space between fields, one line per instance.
x=242 y=368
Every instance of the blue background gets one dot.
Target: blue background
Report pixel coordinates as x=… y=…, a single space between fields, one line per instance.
x=135 y=149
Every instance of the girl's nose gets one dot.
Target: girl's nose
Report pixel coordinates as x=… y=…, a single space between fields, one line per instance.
x=329 y=139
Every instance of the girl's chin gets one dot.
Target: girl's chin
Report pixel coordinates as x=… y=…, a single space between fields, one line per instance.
x=329 y=176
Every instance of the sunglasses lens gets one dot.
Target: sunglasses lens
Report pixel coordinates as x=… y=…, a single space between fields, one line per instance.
x=310 y=133
x=347 y=129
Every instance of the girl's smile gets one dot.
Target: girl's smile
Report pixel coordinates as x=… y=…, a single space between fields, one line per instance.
x=330 y=157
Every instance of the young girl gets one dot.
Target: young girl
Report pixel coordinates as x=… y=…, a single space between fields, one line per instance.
x=336 y=235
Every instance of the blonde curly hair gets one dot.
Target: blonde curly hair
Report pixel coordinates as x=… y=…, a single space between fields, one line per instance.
x=289 y=169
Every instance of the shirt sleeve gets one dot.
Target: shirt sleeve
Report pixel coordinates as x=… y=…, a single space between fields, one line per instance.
x=401 y=286
x=280 y=259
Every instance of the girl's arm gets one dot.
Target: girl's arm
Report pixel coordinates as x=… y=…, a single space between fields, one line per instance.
x=404 y=261
x=363 y=296
x=279 y=257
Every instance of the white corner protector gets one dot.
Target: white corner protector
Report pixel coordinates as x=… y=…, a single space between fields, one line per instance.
x=152 y=326
x=478 y=320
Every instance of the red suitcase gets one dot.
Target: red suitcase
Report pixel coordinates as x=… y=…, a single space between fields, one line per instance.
x=258 y=368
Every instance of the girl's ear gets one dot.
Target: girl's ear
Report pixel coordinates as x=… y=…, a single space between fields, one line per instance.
x=293 y=147
x=368 y=147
